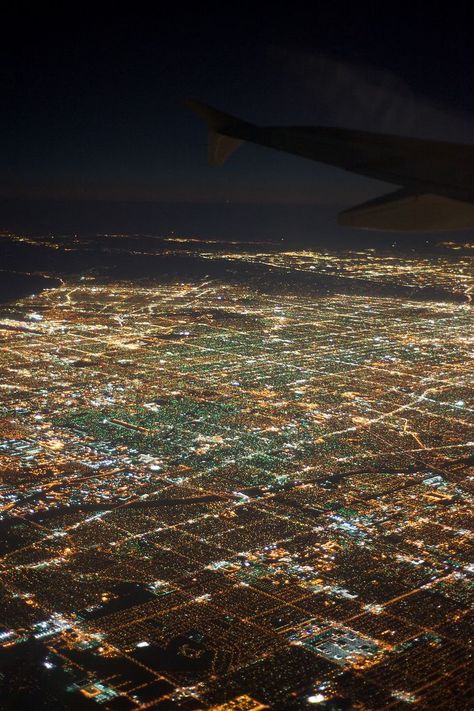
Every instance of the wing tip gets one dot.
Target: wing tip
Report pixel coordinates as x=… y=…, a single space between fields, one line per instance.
x=225 y=131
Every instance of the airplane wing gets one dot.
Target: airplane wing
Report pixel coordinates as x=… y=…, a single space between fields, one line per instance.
x=436 y=177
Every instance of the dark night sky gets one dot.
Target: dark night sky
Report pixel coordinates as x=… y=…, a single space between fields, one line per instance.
x=92 y=104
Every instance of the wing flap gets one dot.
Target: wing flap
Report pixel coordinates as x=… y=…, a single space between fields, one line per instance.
x=403 y=211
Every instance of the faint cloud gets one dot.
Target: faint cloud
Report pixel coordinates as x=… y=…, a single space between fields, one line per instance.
x=368 y=98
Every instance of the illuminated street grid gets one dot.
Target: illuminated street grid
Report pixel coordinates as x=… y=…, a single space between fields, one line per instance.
x=218 y=497
x=369 y=265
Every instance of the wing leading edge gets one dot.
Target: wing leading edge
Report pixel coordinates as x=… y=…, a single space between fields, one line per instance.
x=437 y=178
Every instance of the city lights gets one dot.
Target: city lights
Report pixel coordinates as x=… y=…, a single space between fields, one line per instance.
x=241 y=493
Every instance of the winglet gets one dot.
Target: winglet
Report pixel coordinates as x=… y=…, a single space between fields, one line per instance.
x=226 y=132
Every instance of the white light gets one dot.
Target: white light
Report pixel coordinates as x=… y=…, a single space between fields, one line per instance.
x=316 y=699
x=143 y=644
x=48 y=665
